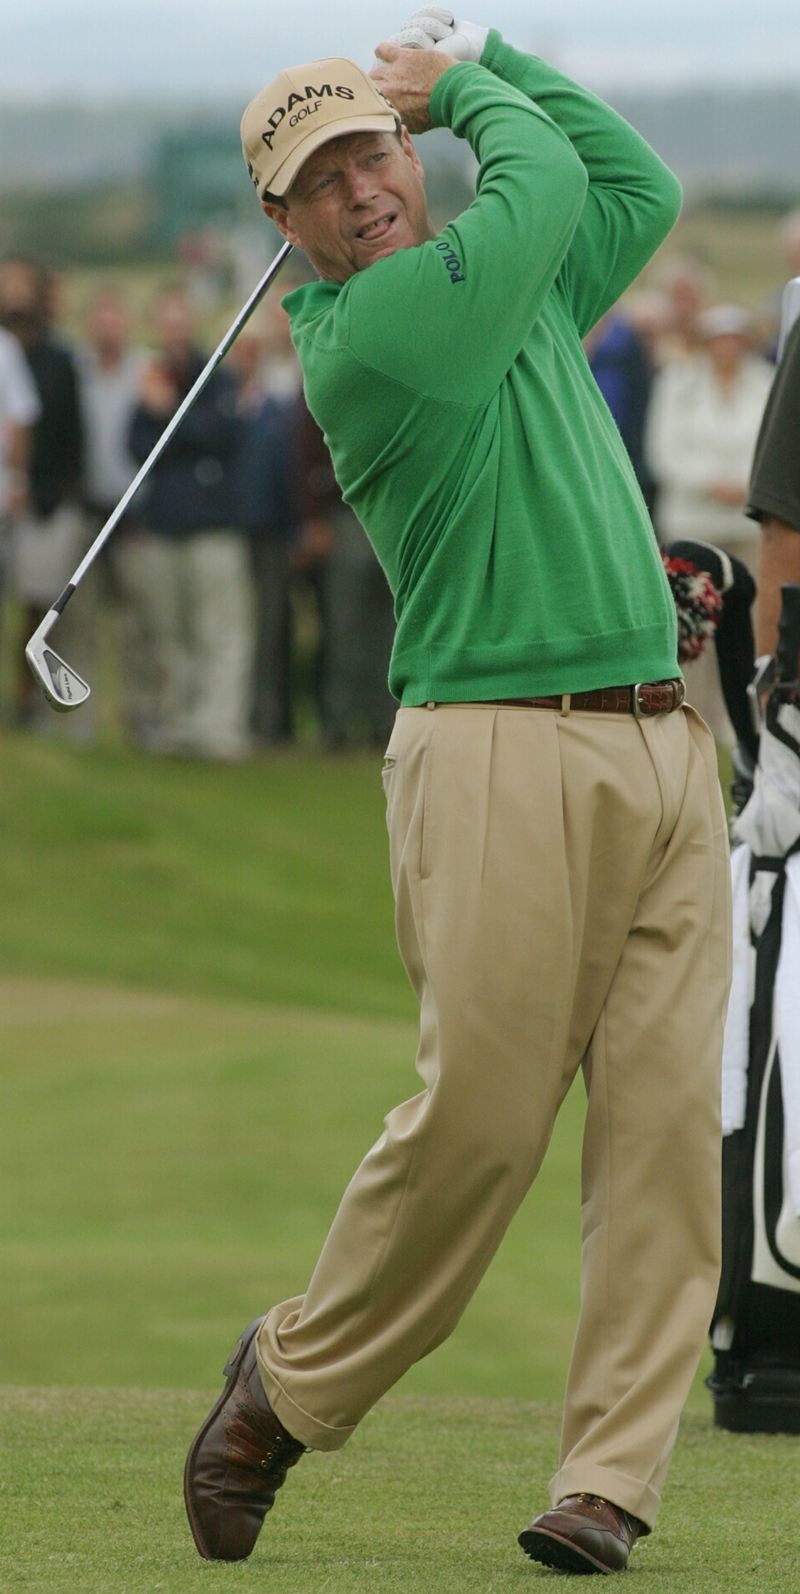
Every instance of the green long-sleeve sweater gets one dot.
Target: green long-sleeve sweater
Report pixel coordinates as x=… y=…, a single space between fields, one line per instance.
x=466 y=429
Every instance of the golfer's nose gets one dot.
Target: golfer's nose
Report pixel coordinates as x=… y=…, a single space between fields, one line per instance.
x=361 y=186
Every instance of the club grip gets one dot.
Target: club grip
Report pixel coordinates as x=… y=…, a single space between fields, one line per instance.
x=786 y=657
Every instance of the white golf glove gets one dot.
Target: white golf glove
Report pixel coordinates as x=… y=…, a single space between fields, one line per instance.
x=434 y=28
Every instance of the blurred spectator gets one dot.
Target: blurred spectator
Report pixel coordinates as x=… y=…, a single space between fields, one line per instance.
x=769 y=311
x=265 y=481
x=622 y=368
x=204 y=261
x=648 y=311
x=196 y=592
x=110 y=375
x=774 y=494
x=281 y=367
x=47 y=542
x=687 y=286
x=789 y=233
x=701 y=431
x=357 y=707
x=19 y=408
x=304 y=536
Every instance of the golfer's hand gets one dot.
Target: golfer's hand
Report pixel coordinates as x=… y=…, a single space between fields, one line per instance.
x=407 y=78
x=435 y=28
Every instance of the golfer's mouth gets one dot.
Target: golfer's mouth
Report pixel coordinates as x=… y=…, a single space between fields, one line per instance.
x=375 y=231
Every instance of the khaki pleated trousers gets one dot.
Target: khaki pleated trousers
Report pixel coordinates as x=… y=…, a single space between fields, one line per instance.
x=562 y=892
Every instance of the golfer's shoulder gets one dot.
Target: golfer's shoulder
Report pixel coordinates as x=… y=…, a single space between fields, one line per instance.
x=333 y=319
x=312 y=309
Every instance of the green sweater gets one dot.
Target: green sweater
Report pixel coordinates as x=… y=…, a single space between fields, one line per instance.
x=466 y=429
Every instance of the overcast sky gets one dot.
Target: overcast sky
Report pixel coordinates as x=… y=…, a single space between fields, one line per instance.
x=89 y=48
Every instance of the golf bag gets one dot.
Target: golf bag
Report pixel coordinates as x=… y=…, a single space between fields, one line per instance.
x=713 y=592
x=755 y=1331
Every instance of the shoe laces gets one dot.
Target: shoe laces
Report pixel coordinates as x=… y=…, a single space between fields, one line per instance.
x=596 y=1503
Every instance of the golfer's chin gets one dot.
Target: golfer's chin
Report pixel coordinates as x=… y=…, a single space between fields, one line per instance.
x=366 y=251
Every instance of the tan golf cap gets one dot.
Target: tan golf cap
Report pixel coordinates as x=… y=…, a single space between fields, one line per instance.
x=300 y=110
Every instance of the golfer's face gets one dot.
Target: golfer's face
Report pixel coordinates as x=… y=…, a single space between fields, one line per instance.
x=355 y=200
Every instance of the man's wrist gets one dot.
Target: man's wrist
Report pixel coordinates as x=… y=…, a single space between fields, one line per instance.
x=489 y=51
x=438 y=112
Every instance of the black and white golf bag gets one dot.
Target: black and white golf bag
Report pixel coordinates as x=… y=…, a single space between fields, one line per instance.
x=755 y=1332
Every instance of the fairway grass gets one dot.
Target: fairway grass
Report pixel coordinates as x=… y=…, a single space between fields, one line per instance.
x=171 y=1166
x=266 y=881
x=428 y=1496
x=203 y=1020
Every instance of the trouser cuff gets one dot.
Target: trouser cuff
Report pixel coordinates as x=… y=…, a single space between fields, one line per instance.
x=308 y=1430
x=638 y=1499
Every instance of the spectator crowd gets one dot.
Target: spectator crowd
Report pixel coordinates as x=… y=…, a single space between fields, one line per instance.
x=241 y=514
x=241 y=528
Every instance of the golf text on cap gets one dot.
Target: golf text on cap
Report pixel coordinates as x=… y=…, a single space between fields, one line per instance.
x=304 y=108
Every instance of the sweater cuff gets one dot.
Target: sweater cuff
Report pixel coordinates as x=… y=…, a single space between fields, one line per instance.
x=440 y=104
x=505 y=61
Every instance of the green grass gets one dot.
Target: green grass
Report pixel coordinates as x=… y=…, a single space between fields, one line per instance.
x=174 y=1142
x=203 y=1019
x=428 y=1496
x=171 y=1166
x=267 y=882
x=173 y=1160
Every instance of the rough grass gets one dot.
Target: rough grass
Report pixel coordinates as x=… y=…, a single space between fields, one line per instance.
x=428 y=1496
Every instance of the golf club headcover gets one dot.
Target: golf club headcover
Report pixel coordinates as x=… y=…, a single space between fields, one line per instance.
x=435 y=28
x=697 y=598
x=713 y=593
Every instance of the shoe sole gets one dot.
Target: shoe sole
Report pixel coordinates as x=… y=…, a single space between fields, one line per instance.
x=230 y=1372
x=559 y=1554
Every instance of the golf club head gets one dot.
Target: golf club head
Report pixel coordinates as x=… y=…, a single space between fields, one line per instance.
x=62 y=687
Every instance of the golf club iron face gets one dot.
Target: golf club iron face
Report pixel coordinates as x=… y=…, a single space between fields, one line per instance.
x=61 y=685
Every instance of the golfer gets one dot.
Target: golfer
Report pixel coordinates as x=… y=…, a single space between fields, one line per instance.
x=557 y=837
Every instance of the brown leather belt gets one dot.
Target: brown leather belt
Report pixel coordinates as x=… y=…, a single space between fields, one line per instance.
x=643 y=700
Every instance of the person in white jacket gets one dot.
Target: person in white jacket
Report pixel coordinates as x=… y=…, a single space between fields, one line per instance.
x=701 y=431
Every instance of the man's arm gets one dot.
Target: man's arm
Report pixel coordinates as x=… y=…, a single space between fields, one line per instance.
x=778 y=562
x=774 y=496
x=19 y=409
x=18 y=450
x=633 y=199
x=449 y=317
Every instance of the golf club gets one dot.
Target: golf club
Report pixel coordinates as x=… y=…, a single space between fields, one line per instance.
x=62 y=686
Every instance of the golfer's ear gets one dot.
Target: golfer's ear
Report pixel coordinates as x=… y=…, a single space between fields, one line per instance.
x=280 y=216
x=410 y=151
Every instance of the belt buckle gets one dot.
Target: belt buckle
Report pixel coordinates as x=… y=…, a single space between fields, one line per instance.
x=678 y=696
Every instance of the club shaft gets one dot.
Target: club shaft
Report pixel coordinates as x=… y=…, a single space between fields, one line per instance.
x=169 y=431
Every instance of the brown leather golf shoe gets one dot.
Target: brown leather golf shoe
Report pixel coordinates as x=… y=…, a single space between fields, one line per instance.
x=238 y=1460
x=583 y=1533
